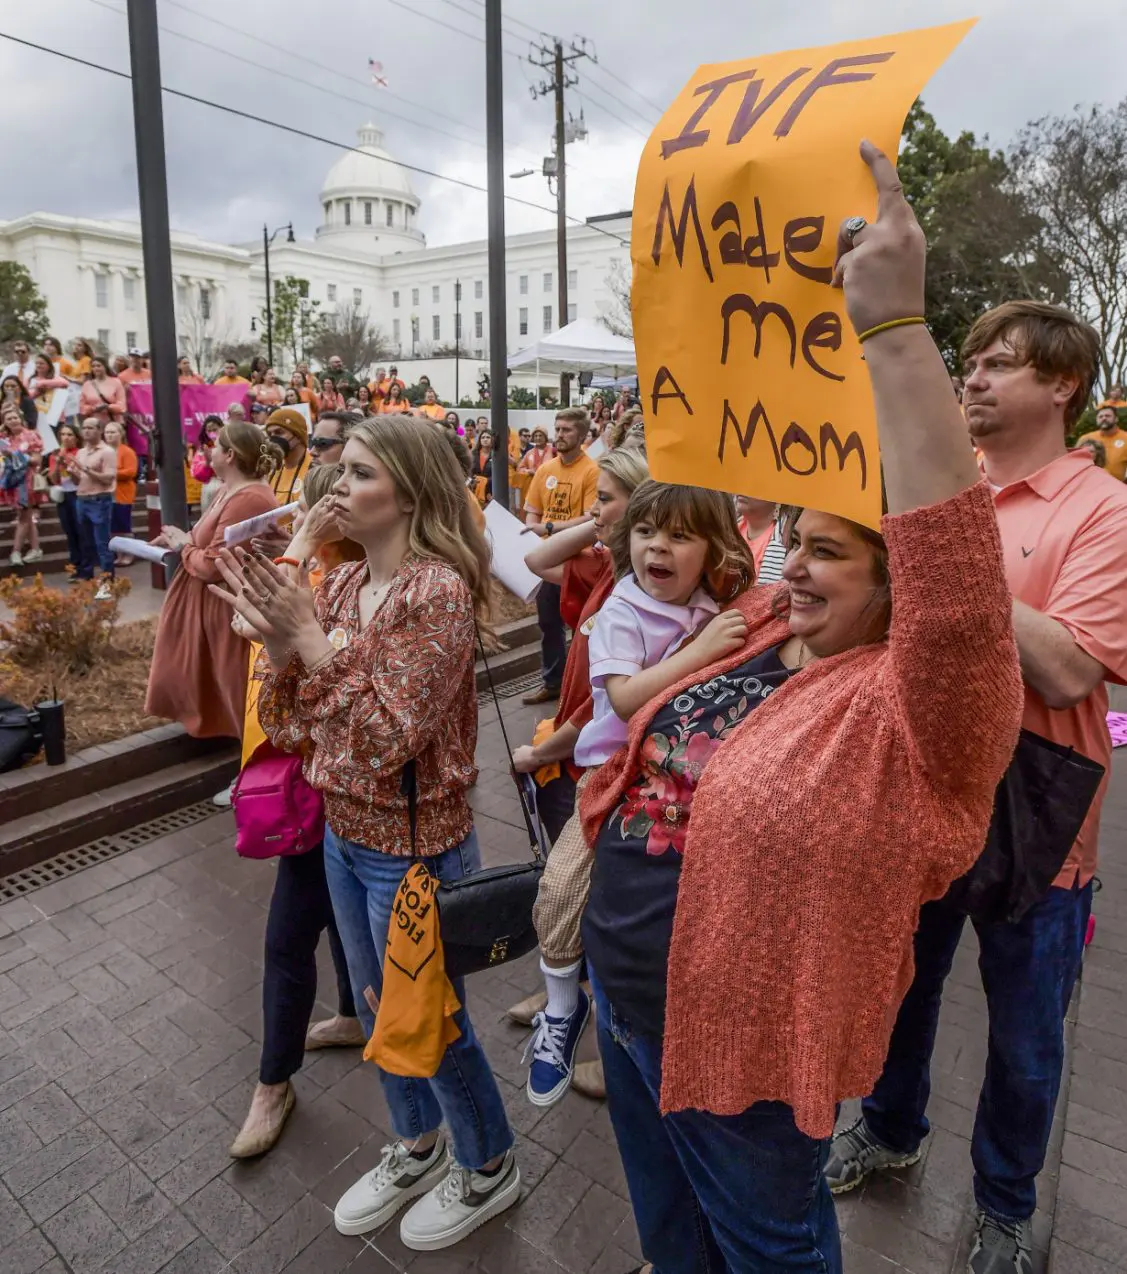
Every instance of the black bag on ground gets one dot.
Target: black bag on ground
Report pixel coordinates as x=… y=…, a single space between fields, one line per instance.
x=20 y=735
x=1039 y=807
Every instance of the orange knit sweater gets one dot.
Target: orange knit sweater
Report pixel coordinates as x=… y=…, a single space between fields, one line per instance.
x=858 y=791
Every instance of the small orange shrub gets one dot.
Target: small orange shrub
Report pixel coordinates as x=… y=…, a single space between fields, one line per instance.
x=57 y=630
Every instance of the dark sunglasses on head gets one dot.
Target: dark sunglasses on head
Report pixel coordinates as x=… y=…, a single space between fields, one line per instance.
x=323 y=444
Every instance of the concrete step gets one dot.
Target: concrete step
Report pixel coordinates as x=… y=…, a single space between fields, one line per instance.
x=37 y=837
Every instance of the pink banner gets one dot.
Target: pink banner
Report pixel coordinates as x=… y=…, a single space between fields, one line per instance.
x=196 y=402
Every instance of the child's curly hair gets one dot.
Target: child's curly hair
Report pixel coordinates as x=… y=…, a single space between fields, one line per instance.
x=728 y=565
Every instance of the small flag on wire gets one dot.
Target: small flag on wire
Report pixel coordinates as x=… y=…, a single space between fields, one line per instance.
x=378 y=77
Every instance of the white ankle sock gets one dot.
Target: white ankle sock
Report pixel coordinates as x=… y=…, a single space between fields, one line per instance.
x=563 y=989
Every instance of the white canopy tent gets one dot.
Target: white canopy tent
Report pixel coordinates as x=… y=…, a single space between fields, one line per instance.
x=582 y=346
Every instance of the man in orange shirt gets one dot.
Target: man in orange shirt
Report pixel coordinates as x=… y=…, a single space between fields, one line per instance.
x=136 y=371
x=231 y=375
x=1112 y=437
x=560 y=496
x=1063 y=522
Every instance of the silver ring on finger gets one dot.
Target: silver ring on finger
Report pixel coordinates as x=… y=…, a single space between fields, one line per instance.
x=853 y=227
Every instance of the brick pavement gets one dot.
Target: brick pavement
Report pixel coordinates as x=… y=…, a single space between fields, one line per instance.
x=129 y=1030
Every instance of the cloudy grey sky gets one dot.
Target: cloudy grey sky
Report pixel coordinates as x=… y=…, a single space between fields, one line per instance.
x=305 y=64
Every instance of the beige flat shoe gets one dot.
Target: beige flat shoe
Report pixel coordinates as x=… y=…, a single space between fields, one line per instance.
x=588 y=1080
x=335 y=1032
x=526 y=1010
x=248 y=1145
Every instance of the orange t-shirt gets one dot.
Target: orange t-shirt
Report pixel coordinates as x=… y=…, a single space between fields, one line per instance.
x=125 y=492
x=1064 y=538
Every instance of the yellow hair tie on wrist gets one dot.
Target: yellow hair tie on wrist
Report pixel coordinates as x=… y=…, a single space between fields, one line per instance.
x=885 y=327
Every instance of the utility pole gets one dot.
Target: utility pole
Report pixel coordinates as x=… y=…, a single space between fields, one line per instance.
x=457 y=337
x=495 y=169
x=558 y=61
x=152 y=182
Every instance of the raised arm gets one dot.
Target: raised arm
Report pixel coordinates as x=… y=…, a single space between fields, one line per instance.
x=550 y=556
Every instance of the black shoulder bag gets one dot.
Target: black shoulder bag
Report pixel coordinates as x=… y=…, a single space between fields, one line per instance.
x=1039 y=807
x=485 y=919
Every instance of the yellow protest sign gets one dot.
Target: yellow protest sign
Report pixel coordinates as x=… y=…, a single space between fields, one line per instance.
x=750 y=375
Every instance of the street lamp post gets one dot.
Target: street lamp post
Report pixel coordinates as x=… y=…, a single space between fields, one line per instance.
x=267 y=240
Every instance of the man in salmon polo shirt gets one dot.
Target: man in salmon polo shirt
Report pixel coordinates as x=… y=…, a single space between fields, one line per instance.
x=1029 y=373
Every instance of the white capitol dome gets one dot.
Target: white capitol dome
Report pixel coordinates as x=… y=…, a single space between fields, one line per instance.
x=367 y=201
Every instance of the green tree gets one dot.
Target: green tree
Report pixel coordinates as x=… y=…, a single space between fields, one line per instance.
x=23 y=311
x=986 y=241
x=297 y=320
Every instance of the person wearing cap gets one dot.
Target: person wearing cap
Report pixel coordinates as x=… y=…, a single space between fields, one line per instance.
x=288 y=428
x=136 y=371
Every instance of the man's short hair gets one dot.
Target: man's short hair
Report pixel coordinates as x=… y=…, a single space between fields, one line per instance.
x=346 y=419
x=575 y=415
x=1053 y=341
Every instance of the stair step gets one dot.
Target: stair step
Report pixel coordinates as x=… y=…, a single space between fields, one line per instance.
x=37 y=837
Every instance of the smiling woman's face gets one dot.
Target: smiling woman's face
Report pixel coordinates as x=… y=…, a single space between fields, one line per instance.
x=838 y=598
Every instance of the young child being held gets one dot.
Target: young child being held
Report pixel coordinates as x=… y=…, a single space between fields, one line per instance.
x=678 y=554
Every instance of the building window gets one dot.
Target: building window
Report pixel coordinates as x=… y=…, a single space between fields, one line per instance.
x=205 y=304
x=367 y=212
x=104 y=337
x=436 y=324
x=207 y=349
x=572 y=280
x=102 y=291
x=547 y=280
x=357 y=296
x=331 y=293
x=414 y=333
x=181 y=297
x=328 y=214
x=523 y=321
x=414 y=296
x=478 y=322
x=129 y=291
x=435 y=294
x=391 y=214
x=395 y=300
x=130 y=340
x=547 y=318
x=478 y=289
x=395 y=330
x=348 y=212
x=524 y=285
x=572 y=312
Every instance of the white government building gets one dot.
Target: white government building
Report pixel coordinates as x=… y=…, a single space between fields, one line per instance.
x=369 y=253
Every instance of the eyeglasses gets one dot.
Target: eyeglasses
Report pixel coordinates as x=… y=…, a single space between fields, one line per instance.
x=323 y=444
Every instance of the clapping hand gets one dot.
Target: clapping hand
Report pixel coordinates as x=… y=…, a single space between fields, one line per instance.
x=278 y=609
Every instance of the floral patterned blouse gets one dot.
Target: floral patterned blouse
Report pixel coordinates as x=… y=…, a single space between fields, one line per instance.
x=628 y=924
x=402 y=688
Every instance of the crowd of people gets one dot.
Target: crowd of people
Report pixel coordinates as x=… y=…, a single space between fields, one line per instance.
x=776 y=743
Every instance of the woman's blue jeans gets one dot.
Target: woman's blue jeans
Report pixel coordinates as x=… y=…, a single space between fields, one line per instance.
x=463 y=1093
x=714 y=1194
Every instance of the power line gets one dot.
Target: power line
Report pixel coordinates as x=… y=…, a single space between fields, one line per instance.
x=300 y=132
x=471 y=14
x=630 y=88
x=612 y=113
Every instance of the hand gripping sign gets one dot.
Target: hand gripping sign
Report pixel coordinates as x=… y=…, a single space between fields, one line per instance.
x=750 y=375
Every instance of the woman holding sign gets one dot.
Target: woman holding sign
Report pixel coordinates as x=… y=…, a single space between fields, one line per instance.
x=818 y=783
x=199 y=668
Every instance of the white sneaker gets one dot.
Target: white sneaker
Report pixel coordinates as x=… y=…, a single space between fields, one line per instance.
x=104 y=593
x=223 y=799
x=395 y=1180
x=16 y=559
x=33 y=555
x=459 y=1205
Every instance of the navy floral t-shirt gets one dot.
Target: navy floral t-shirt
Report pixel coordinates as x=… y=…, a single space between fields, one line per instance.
x=628 y=924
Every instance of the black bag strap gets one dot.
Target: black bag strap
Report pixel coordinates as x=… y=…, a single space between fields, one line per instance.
x=409 y=784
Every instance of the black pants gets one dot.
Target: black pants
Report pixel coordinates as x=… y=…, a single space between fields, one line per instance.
x=68 y=519
x=555 y=802
x=299 y=910
x=553 y=645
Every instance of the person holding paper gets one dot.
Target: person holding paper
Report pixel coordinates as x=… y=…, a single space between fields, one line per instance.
x=788 y=839
x=561 y=492
x=199 y=669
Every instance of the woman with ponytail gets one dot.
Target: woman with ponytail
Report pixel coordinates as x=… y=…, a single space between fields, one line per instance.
x=199 y=669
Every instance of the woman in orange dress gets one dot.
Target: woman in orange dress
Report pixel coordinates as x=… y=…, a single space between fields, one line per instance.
x=269 y=393
x=394 y=402
x=199 y=668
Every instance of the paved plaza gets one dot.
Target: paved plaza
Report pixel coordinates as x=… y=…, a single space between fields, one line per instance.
x=130 y=1017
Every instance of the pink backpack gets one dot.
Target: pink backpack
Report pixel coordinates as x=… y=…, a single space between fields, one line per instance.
x=276 y=810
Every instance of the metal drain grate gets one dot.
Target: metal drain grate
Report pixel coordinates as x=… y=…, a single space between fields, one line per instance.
x=509 y=689
x=22 y=883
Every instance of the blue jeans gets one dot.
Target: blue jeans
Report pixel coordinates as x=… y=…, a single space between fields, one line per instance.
x=1028 y=972
x=714 y=1193
x=94 y=529
x=553 y=643
x=463 y=1093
